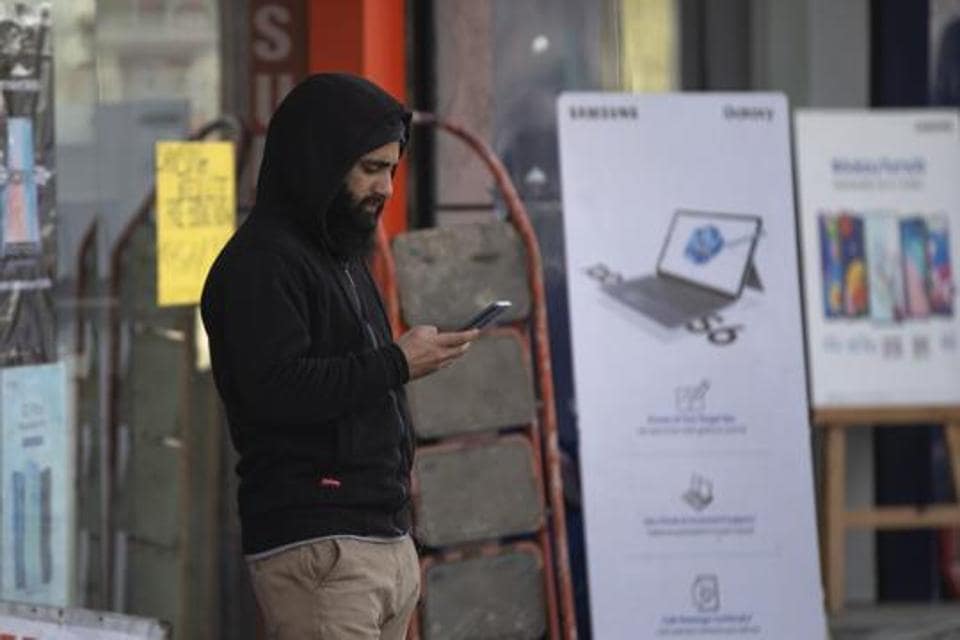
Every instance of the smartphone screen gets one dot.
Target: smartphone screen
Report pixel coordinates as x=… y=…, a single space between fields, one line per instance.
x=887 y=303
x=853 y=253
x=489 y=313
x=913 y=238
x=940 y=274
x=831 y=266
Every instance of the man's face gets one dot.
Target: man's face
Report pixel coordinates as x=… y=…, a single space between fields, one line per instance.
x=351 y=219
x=370 y=182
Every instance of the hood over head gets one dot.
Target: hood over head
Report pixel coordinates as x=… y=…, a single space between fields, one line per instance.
x=323 y=126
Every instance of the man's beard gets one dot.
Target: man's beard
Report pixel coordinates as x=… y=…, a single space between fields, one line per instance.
x=352 y=224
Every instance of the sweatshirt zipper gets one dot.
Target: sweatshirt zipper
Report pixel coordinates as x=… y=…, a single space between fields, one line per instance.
x=393 y=395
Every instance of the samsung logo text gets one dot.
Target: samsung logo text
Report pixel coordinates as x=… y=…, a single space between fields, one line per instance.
x=597 y=112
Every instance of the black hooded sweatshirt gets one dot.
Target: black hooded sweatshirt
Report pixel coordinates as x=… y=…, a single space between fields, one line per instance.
x=301 y=350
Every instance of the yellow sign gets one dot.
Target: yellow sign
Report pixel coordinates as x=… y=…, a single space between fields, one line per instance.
x=648 y=52
x=196 y=211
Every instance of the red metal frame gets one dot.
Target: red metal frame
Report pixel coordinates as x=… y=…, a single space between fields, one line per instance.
x=545 y=438
x=241 y=133
x=87 y=244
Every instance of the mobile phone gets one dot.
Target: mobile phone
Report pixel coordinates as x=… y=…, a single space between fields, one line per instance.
x=913 y=238
x=856 y=296
x=831 y=266
x=885 y=272
x=940 y=274
x=489 y=313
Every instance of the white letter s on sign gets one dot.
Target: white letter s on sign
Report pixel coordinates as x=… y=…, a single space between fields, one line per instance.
x=273 y=43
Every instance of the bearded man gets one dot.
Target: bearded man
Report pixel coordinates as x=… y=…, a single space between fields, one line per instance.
x=310 y=376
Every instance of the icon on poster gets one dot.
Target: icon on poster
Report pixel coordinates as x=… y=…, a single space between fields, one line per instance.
x=700 y=493
x=718 y=331
x=892 y=347
x=704 y=244
x=706 y=593
x=692 y=399
x=948 y=342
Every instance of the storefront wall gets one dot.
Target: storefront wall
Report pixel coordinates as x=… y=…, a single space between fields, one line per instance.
x=147 y=428
x=153 y=464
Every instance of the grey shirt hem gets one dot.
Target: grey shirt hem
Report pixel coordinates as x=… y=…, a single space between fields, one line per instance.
x=293 y=545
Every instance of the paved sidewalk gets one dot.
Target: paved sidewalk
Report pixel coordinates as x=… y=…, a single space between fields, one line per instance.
x=898 y=622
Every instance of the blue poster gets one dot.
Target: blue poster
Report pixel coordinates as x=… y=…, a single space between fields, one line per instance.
x=37 y=467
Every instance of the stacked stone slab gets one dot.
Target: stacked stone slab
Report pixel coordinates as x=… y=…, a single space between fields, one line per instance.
x=478 y=482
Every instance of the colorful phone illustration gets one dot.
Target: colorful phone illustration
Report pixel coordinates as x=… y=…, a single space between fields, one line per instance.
x=940 y=274
x=856 y=301
x=831 y=266
x=887 y=298
x=913 y=241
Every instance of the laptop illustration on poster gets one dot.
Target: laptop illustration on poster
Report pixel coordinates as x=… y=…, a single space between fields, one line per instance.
x=705 y=262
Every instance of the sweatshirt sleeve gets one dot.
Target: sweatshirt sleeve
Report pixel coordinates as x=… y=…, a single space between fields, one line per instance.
x=266 y=350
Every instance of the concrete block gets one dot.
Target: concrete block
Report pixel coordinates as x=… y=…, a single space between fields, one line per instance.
x=447 y=274
x=487 y=597
x=471 y=492
x=150 y=495
x=490 y=387
x=154 y=583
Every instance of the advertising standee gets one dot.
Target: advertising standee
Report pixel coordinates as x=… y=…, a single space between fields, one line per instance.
x=879 y=215
x=689 y=370
x=37 y=479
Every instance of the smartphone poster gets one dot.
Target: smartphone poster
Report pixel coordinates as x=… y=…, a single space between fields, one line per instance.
x=37 y=485
x=879 y=206
x=688 y=362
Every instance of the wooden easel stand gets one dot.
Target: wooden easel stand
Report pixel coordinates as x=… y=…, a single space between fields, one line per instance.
x=837 y=519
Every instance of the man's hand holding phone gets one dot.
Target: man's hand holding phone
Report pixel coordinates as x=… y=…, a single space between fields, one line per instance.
x=428 y=349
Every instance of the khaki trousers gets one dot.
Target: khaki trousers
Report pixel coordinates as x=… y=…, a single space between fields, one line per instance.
x=338 y=589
